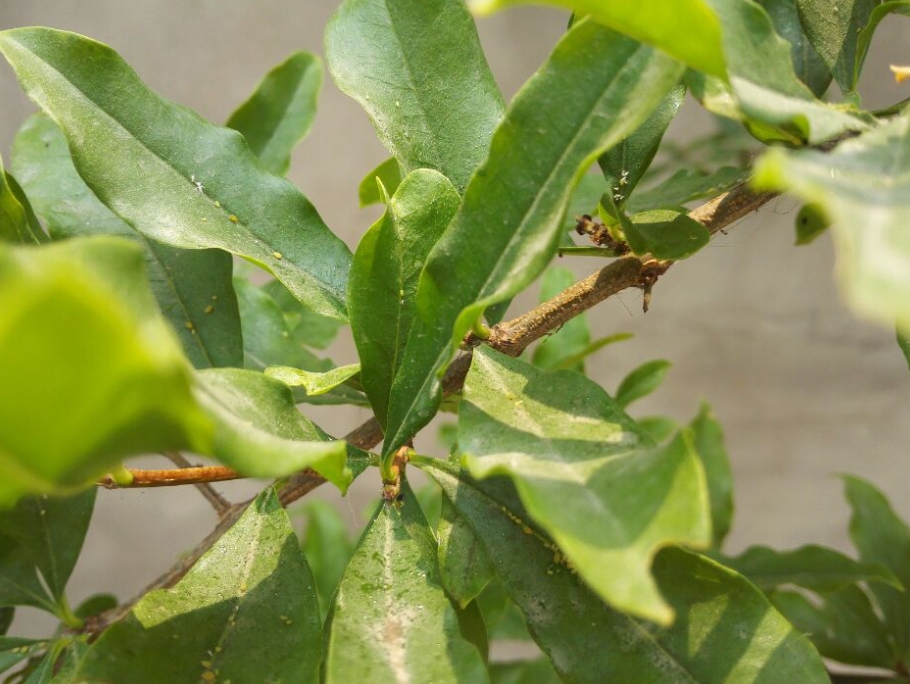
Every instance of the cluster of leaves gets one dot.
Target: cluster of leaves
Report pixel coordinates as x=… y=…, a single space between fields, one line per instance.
x=125 y=323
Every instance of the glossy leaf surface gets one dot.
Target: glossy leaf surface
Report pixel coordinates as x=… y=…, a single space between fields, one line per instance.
x=279 y=114
x=245 y=612
x=725 y=630
x=85 y=305
x=595 y=89
x=685 y=29
x=384 y=277
x=260 y=432
x=572 y=338
x=863 y=186
x=391 y=619
x=813 y=567
x=172 y=176
x=417 y=68
x=881 y=537
x=575 y=456
x=192 y=287
x=709 y=445
x=40 y=541
x=833 y=28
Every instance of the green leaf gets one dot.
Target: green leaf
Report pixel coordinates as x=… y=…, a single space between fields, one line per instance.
x=7 y=613
x=686 y=29
x=260 y=432
x=14 y=650
x=641 y=382
x=595 y=89
x=40 y=541
x=524 y=672
x=417 y=68
x=684 y=186
x=863 y=186
x=78 y=317
x=904 y=343
x=725 y=630
x=245 y=612
x=810 y=68
x=709 y=445
x=314 y=383
x=172 y=176
x=764 y=85
x=327 y=546
x=575 y=456
x=385 y=273
x=14 y=224
x=625 y=164
x=96 y=604
x=811 y=222
x=279 y=114
x=660 y=429
x=68 y=661
x=842 y=625
x=391 y=619
x=574 y=359
x=881 y=537
x=665 y=234
x=306 y=327
x=833 y=27
x=193 y=287
x=464 y=566
x=572 y=338
x=812 y=567
x=388 y=173
x=864 y=39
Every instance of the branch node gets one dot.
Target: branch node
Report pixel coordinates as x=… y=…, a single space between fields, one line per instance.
x=391 y=484
x=600 y=235
x=647 y=278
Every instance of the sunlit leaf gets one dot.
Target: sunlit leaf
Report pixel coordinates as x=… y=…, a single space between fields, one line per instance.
x=391 y=619
x=665 y=234
x=575 y=456
x=641 y=382
x=245 y=612
x=14 y=223
x=725 y=630
x=314 y=383
x=595 y=89
x=684 y=186
x=85 y=305
x=260 y=432
x=810 y=68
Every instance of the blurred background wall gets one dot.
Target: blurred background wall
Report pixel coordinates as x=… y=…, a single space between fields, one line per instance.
x=754 y=326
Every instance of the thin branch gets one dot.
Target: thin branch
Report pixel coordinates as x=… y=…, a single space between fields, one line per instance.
x=172 y=476
x=218 y=502
x=511 y=338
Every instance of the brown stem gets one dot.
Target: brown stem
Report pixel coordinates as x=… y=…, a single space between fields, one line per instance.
x=172 y=476
x=511 y=338
x=218 y=502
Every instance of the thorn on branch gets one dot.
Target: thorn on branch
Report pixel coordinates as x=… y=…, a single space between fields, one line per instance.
x=650 y=272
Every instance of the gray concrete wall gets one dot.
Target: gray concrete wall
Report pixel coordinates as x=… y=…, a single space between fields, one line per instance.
x=803 y=389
